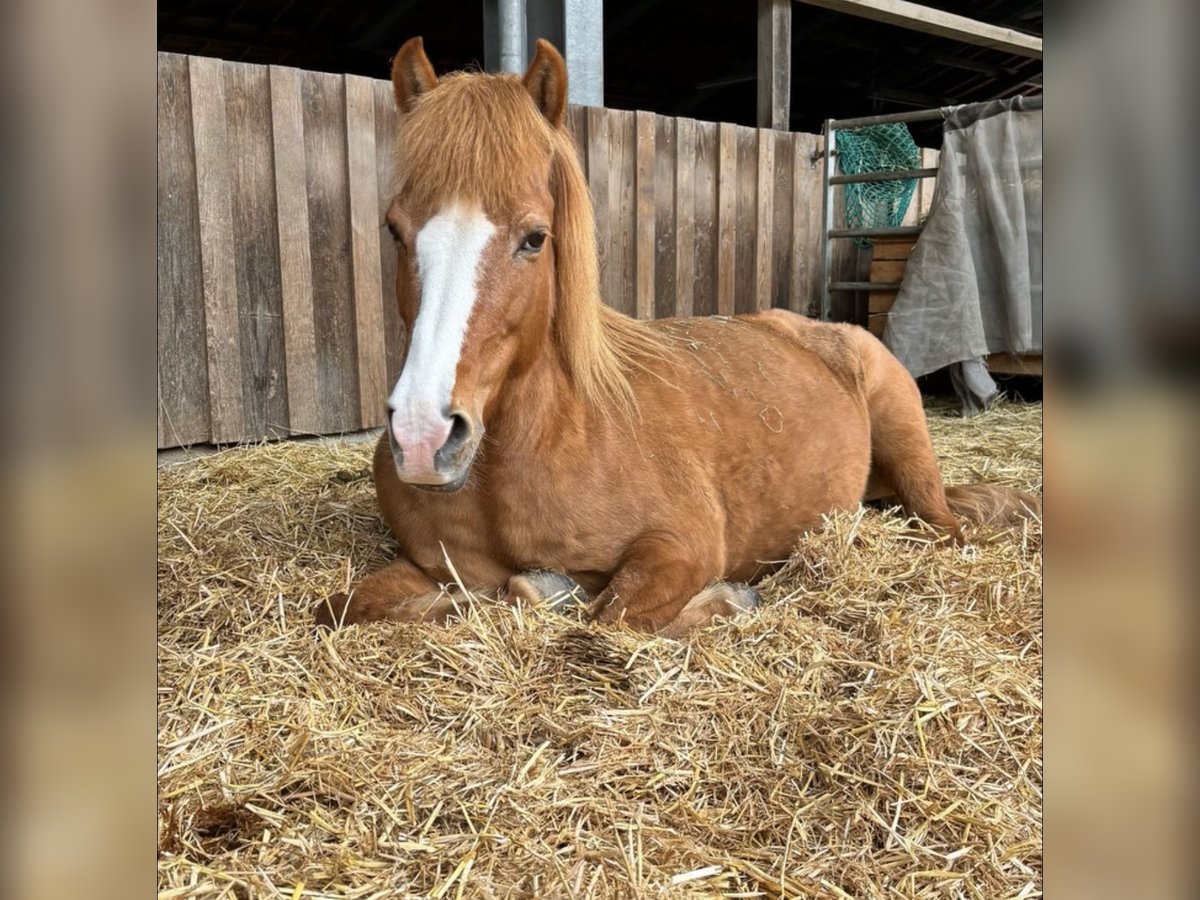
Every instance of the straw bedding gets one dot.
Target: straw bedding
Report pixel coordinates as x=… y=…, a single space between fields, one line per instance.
x=874 y=731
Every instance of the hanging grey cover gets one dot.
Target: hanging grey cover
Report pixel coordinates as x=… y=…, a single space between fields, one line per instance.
x=973 y=284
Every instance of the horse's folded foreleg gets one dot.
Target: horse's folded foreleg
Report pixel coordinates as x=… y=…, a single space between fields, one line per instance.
x=399 y=592
x=655 y=581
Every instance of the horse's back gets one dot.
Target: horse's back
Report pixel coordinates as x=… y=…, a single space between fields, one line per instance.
x=773 y=413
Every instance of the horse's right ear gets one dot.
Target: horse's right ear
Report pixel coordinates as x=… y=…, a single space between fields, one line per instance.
x=412 y=74
x=546 y=81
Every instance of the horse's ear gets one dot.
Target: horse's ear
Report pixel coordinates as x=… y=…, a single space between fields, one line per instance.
x=412 y=74
x=546 y=82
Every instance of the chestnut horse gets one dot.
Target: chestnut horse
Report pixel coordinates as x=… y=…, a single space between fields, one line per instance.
x=534 y=428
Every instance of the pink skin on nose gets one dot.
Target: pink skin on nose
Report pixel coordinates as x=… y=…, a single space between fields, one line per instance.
x=419 y=442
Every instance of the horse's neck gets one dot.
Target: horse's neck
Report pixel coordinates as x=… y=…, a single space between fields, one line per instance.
x=537 y=409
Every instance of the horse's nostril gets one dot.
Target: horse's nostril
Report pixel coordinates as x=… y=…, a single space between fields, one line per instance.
x=460 y=431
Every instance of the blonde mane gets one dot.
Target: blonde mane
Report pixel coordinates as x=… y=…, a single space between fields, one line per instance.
x=481 y=136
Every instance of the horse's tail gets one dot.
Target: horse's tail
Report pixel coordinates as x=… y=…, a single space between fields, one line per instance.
x=992 y=505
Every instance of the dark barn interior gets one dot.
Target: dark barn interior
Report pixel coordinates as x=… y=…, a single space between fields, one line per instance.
x=695 y=59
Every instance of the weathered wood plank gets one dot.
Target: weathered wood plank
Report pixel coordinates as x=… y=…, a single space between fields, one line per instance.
x=385 y=179
x=935 y=21
x=685 y=216
x=774 y=63
x=666 y=155
x=806 y=226
x=781 y=225
x=1010 y=364
x=707 y=202
x=324 y=99
x=726 y=218
x=644 y=138
x=764 y=224
x=183 y=413
x=597 y=156
x=880 y=301
x=363 y=187
x=577 y=117
x=295 y=261
x=256 y=252
x=888 y=270
x=217 y=259
x=622 y=160
x=893 y=248
x=745 y=219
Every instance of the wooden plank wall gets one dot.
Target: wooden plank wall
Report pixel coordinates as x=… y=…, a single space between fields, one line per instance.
x=276 y=279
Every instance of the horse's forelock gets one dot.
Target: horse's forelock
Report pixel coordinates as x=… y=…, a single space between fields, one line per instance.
x=476 y=137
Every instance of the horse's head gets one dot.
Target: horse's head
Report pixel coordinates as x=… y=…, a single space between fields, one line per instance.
x=474 y=219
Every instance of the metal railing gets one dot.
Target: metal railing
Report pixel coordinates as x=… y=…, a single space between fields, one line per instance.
x=830 y=180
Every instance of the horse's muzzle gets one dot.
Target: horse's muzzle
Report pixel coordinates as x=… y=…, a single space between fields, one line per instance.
x=424 y=464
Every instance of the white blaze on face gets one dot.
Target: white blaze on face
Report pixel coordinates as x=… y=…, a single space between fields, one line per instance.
x=448 y=251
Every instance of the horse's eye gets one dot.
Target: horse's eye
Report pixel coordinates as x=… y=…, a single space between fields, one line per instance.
x=533 y=242
x=396 y=236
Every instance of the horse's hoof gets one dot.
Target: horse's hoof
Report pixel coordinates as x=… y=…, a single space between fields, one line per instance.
x=742 y=597
x=330 y=613
x=560 y=592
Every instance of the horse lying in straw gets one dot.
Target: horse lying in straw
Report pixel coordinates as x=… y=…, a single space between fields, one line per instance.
x=533 y=428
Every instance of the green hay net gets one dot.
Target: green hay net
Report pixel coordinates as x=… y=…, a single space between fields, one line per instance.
x=877 y=148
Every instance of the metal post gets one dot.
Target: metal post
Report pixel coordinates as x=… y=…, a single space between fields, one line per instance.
x=827 y=218
x=583 y=22
x=512 y=36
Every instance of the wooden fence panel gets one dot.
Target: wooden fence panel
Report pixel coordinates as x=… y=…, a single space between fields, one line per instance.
x=727 y=169
x=277 y=310
x=665 y=292
x=806 y=225
x=764 y=243
x=781 y=220
x=622 y=181
x=598 y=122
x=363 y=185
x=295 y=258
x=218 y=267
x=385 y=176
x=183 y=414
x=745 y=219
x=645 y=134
x=324 y=99
x=256 y=251
x=685 y=216
x=577 y=117
x=706 y=219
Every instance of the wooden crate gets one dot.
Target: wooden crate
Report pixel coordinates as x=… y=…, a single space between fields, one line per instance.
x=889 y=259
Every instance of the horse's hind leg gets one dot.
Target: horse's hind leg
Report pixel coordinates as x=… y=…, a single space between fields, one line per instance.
x=902 y=458
x=721 y=599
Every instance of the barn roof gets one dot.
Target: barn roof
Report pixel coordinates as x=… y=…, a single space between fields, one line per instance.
x=676 y=57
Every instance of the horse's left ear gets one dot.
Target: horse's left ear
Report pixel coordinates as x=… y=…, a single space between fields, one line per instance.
x=546 y=82
x=412 y=74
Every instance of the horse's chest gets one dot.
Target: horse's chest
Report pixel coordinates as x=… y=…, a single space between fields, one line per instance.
x=456 y=532
x=538 y=527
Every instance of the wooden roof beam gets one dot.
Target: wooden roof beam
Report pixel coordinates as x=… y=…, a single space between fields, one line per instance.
x=934 y=21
